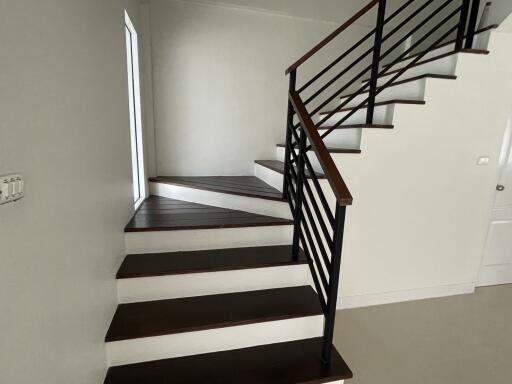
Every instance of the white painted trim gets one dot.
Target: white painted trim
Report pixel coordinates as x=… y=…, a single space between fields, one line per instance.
x=223 y=200
x=358 y=301
x=494 y=275
x=200 y=239
x=211 y=283
x=269 y=176
x=213 y=340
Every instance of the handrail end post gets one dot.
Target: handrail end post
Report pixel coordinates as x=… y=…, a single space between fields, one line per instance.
x=381 y=16
x=464 y=12
x=288 y=139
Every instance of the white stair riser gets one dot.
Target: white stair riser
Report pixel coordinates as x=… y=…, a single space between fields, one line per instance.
x=382 y=115
x=443 y=66
x=273 y=178
x=413 y=90
x=201 y=239
x=223 y=200
x=211 y=283
x=213 y=340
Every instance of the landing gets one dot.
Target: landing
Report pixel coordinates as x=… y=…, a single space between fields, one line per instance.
x=249 y=186
x=163 y=214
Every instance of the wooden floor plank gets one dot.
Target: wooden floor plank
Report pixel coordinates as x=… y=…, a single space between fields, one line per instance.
x=175 y=263
x=163 y=214
x=296 y=362
x=164 y=317
x=249 y=186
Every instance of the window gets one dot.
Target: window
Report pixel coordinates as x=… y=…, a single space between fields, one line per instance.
x=132 y=50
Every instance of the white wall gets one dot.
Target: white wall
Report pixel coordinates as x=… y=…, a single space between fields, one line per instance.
x=64 y=126
x=422 y=206
x=500 y=10
x=219 y=84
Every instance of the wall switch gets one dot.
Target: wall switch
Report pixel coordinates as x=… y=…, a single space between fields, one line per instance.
x=12 y=188
x=483 y=161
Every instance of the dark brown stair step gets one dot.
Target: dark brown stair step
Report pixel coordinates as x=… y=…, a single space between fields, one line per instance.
x=249 y=186
x=165 y=317
x=283 y=363
x=334 y=150
x=175 y=263
x=278 y=166
x=163 y=214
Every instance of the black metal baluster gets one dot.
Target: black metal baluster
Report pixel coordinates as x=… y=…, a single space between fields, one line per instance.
x=289 y=126
x=332 y=294
x=300 y=194
x=381 y=14
x=473 y=18
x=464 y=12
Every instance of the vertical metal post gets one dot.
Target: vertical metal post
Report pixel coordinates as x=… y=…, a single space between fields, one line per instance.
x=473 y=18
x=464 y=12
x=299 y=194
x=288 y=141
x=332 y=294
x=381 y=14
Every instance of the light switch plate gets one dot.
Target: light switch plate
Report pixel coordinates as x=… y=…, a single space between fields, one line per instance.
x=12 y=188
x=483 y=161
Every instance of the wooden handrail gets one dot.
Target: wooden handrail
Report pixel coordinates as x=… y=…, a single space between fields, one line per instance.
x=331 y=37
x=330 y=169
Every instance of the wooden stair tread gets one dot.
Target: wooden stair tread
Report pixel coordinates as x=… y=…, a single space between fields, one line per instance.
x=164 y=214
x=278 y=166
x=175 y=263
x=281 y=363
x=165 y=317
x=409 y=80
x=377 y=104
x=334 y=150
x=249 y=186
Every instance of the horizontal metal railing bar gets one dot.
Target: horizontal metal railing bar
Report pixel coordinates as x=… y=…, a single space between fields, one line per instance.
x=352 y=48
x=330 y=169
x=361 y=90
x=316 y=282
x=332 y=36
x=337 y=77
x=319 y=215
x=314 y=253
x=418 y=27
x=380 y=89
x=318 y=188
x=485 y=29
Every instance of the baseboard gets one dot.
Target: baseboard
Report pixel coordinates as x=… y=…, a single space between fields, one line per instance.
x=495 y=275
x=358 y=301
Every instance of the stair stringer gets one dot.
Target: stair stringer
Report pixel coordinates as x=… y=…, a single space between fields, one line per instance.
x=421 y=204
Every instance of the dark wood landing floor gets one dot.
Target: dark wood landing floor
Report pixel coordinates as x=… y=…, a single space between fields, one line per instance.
x=165 y=317
x=249 y=186
x=162 y=214
x=295 y=362
x=278 y=166
x=175 y=263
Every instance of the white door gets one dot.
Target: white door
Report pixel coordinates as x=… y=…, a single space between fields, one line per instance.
x=132 y=55
x=497 y=261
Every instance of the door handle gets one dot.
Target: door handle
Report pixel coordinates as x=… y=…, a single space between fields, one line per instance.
x=500 y=188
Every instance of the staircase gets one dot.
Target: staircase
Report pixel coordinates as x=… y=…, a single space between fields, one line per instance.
x=235 y=279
